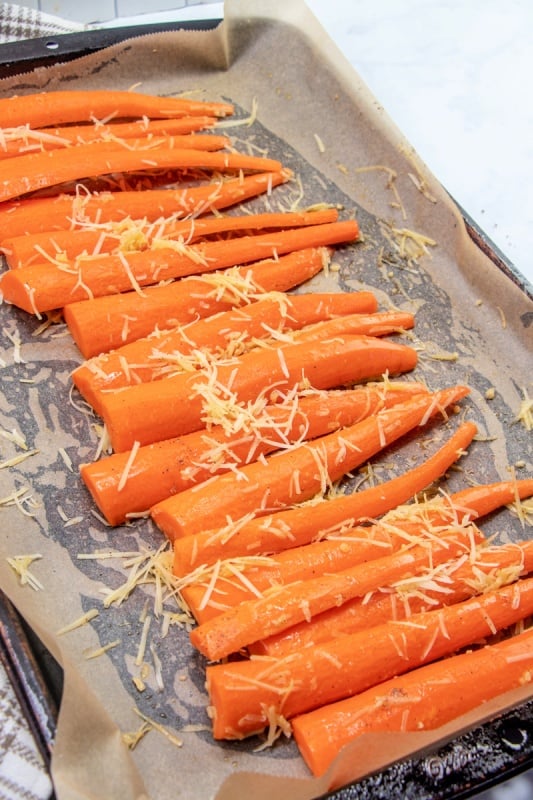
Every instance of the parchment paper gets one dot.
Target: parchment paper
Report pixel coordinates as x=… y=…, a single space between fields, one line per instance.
x=274 y=53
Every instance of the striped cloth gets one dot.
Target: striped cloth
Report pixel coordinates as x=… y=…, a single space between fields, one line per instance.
x=23 y=774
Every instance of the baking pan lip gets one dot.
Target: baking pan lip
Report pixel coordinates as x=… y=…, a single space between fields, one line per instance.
x=28 y=54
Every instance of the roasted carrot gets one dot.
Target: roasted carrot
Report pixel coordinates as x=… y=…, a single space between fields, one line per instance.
x=28 y=173
x=43 y=287
x=292 y=476
x=189 y=401
x=66 y=212
x=424 y=699
x=296 y=526
x=226 y=334
x=288 y=605
x=492 y=567
x=207 y=548
x=245 y=694
x=140 y=234
x=107 y=323
x=126 y=483
x=43 y=109
x=23 y=139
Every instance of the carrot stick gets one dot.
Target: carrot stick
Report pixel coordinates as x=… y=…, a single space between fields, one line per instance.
x=43 y=287
x=296 y=526
x=107 y=323
x=354 y=546
x=229 y=333
x=493 y=567
x=140 y=234
x=424 y=699
x=28 y=173
x=292 y=476
x=65 y=212
x=245 y=694
x=122 y=485
x=149 y=412
x=23 y=139
x=288 y=605
x=43 y=109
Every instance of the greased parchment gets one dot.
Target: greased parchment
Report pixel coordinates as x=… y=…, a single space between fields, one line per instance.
x=313 y=113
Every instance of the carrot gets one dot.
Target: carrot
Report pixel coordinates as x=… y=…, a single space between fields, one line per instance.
x=292 y=476
x=229 y=333
x=106 y=323
x=296 y=526
x=126 y=483
x=354 y=546
x=287 y=605
x=65 y=212
x=28 y=173
x=244 y=695
x=189 y=401
x=493 y=567
x=23 y=139
x=43 y=287
x=43 y=109
x=140 y=234
x=424 y=699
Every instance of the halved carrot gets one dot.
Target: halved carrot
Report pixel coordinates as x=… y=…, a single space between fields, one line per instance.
x=44 y=287
x=24 y=174
x=141 y=234
x=424 y=699
x=24 y=139
x=292 y=527
x=285 y=606
x=492 y=567
x=292 y=476
x=107 y=323
x=66 y=212
x=229 y=333
x=43 y=109
x=189 y=401
x=128 y=483
x=245 y=694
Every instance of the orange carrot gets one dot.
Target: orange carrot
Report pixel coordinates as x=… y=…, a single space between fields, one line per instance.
x=23 y=139
x=66 y=212
x=28 y=173
x=43 y=287
x=293 y=527
x=107 y=323
x=140 y=234
x=126 y=483
x=493 y=566
x=229 y=333
x=288 y=605
x=244 y=695
x=189 y=401
x=43 y=109
x=292 y=476
x=191 y=552
x=424 y=699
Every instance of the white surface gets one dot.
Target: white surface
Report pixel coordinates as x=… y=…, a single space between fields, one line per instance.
x=454 y=75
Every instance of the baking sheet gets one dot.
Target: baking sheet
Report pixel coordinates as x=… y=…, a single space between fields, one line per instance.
x=275 y=53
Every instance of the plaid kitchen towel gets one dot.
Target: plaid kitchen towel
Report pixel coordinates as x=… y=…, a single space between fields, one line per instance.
x=23 y=774
x=18 y=22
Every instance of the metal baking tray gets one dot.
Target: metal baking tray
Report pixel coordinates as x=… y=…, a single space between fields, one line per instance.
x=470 y=764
